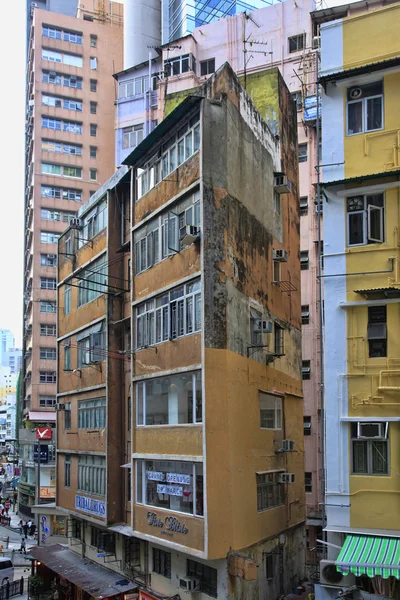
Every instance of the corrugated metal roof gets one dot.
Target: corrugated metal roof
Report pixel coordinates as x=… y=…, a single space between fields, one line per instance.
x=385 y=291
x=360 y=178
x=162 y=129
x=369 y=68
x=98 y=581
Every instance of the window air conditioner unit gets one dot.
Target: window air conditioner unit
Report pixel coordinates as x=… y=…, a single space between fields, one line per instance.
x=288 y=445
x=286 y=477
x=316 y=43
x=371 y=430
x=60 y=406
x=330 y=576
x=282 y=185
x=189 y=234
x=261 y=326
x=280 y=255
x=189 y=584
x=307 y=426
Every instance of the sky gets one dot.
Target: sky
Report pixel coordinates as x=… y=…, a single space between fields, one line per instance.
x=12 y=124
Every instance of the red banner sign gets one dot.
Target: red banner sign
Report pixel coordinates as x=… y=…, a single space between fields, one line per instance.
x=43 y=433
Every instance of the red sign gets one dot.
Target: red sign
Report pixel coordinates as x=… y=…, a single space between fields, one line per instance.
x=43 y=433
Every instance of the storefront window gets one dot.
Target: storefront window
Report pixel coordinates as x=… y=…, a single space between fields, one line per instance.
x=173 y=485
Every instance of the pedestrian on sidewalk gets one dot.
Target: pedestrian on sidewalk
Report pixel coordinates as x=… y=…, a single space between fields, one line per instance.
x=25 y=528
x=15 y=499
x=23 y=546
x=20 y=525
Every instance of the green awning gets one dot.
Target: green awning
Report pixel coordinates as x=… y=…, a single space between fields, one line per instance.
x=367 y=555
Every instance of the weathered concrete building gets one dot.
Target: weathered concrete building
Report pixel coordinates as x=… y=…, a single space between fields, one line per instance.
x=216 y=375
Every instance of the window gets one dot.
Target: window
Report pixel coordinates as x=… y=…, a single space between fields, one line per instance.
x=93 y=85
x=279 y=339
x=365 y=219
x=47 y=401
x=47 y=306
x=136 y=86
x=180 y=64
x=48 y=260
x=307 y=425
x=91 y=345
x=370 y=455
x=92 y=414
x=67 y=354
x=48 y=123
x=93 y=63
x=51 y=77
x=303 y=153
x=72 y=81
x=47 y=283
x=172 y=315
x=93 y=108
x=132 y=551
x=176 y=150
x=207 y=576
x=269 y=491
x=72 y=37
x=162 y=562
x=67 y=299
x=170 y=484
x=102 y=540
x=162 y=237
x=132 y=136
x=57 y=125
x=60 y=57
x=304 y=260
x=298 y=99
x=305 y=314
x=72 y=127
x=308 y=482
x=365 y=108
x=277 y=203
x=48 y=353
x=61 y=102
x=306 y=369
x=51 y=169
x=51 y=32
x=92 y=474
x=377 y=331
x=297 y=43
x=72 y=105
x=47 y=377
x=269 y=567
x=67 y=470
x=60 y=148
x=67 y=415
x=207 y=67
x=93 y=152
x=65 y=194
x=276 y=275
x=93 y=129
x=93 y=174
x=47 y=330
x=270 y=411
x=170 y=400
x=93 y=41
x=256 y=334
x=303 y=205
x=93 y=281
x=93 y=222
x=72 y=172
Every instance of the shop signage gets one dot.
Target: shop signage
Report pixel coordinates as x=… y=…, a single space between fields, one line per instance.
x=43 y=433
x=167 y=525
x=47 y=492
x=93 y=507
x=171 y=490
x=168 y=477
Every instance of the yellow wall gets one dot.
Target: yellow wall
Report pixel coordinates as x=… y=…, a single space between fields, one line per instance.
x=379 y=31
x=239 y=448
x=376 y=151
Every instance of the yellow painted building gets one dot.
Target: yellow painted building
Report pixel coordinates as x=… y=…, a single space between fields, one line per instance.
x=360 y=77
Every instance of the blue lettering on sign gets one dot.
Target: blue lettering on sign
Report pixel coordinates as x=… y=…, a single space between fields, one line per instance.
x=93 y=507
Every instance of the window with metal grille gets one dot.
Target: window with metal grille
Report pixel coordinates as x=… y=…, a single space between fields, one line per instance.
x=303 y=206
x=306 y=369
x=207 y=576
x=305 y=314
x=132 y=551
x=102 y=540
x=307 y=425
x=304 y=260
x=377 y=331
x=162 y=562
x=270 y=493
x=308 y=482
